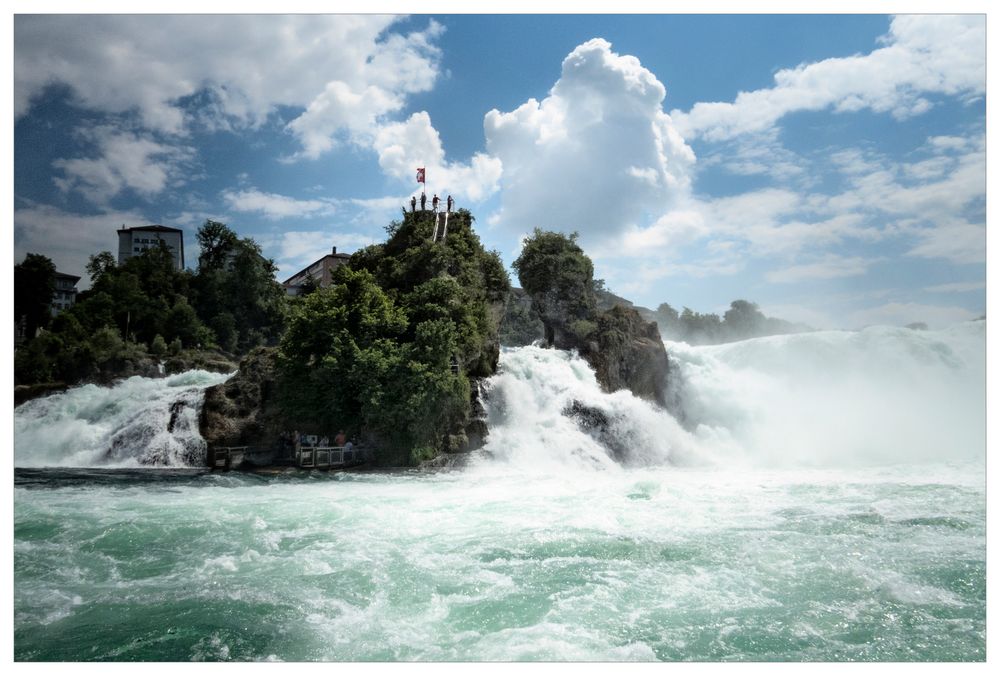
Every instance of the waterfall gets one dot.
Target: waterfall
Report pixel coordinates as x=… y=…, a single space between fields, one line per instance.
x=139 y=421
x=832 y=398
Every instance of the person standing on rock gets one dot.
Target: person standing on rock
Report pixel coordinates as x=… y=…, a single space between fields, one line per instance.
x=423 y=201
x=451 y=203
x=435 y=203
x=413 y=204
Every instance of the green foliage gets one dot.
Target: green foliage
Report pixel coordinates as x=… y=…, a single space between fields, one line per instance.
x=235 y=290
x=99 y=265
x=107 y=345
x=34 y=288
x=521 y=324
x=741 y=321
x=583 y=328
x=216 y=242
x=158 y=348
x=233 y=301
x=374 y=352
x=175 y=347
x=558 y=275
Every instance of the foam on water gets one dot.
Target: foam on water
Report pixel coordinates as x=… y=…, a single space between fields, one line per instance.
x=825 y=399
x=139 y=421
x=734 y=534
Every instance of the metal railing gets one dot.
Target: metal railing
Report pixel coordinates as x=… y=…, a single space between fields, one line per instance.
x=221 y=457
x=325 y=457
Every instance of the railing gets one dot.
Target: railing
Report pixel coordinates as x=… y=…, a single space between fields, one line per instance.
x=222 y=457
x=325 y=457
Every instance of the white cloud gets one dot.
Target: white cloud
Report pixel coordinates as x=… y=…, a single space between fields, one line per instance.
x=901 y=314
x=674 y=229
x=829 y=267
x=956 y=242
x=346 y=71
x=404 y=146
x=924 y=56
x=295 y=249
x=69 y=239
x=275 y=206
x=125 y=161
x=597 y=155
x=956 y=287
x=760 y=154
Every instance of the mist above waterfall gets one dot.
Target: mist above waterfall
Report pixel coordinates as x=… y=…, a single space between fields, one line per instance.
x=824 y=399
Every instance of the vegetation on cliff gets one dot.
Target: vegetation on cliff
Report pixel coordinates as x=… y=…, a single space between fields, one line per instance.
x=741 y=321
x=388 y=350
x=625 y=350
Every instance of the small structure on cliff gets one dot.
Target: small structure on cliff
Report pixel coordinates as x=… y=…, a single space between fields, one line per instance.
x=319 y=273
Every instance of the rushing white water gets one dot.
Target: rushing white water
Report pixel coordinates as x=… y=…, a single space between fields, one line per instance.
x=823 y=499
x=824 y=399
x=139 y=421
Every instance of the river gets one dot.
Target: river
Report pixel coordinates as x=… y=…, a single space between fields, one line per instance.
x=819 y=497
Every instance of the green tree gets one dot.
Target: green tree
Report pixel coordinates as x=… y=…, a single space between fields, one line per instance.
x=34 y=288
x=559 y=277
x=389 y=347
x=743 y=320
x=100 y=265
x=339 y=349
x=235 y=279
x=217 y=242
x=158 y=348
x=554 y=270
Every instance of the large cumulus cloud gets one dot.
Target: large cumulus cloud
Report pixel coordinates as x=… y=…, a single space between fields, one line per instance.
x=596 y=155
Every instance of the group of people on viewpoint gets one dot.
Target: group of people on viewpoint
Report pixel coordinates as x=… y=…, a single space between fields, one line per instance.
x=450 y=203
x=296 y=440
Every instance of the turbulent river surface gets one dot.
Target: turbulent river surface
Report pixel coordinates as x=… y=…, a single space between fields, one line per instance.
x=819 y=497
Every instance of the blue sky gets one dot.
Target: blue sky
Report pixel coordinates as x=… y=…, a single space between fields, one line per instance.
x=830 y=168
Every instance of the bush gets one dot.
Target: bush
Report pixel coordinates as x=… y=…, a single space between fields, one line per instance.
x=158 y=348
x=583 y=328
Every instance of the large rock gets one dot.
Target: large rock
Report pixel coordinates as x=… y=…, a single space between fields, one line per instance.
x=626 y=352
x=242 y=411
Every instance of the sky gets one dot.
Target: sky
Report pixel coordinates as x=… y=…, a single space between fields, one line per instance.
x=831 y=168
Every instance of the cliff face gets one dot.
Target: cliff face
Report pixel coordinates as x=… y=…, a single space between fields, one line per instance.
x=242 y=411
x=625 y=351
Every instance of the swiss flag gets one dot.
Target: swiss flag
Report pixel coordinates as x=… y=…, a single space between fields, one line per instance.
x=420 y=175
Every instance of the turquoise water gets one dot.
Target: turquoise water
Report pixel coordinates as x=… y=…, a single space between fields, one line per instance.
x=818 y=497
x=489 y=564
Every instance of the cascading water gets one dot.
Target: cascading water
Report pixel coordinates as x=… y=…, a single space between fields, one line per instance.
x=825 y=399
x=823 y=499
x=140 y=421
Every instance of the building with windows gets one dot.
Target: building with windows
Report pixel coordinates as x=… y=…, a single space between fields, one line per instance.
x=319 y=272
x=133 y=241
x=65 y=294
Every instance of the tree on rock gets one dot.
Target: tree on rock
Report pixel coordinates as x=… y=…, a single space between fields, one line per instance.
x=34 y=288
x=559 y=277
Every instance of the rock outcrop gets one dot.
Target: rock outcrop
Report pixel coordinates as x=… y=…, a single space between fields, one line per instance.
x=242 y=411
x=626 y=352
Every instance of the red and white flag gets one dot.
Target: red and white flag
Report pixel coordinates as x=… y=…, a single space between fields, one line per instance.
x=420 y=175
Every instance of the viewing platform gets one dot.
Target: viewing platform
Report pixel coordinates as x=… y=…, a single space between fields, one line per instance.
x=306 y=457
x=328 y=457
